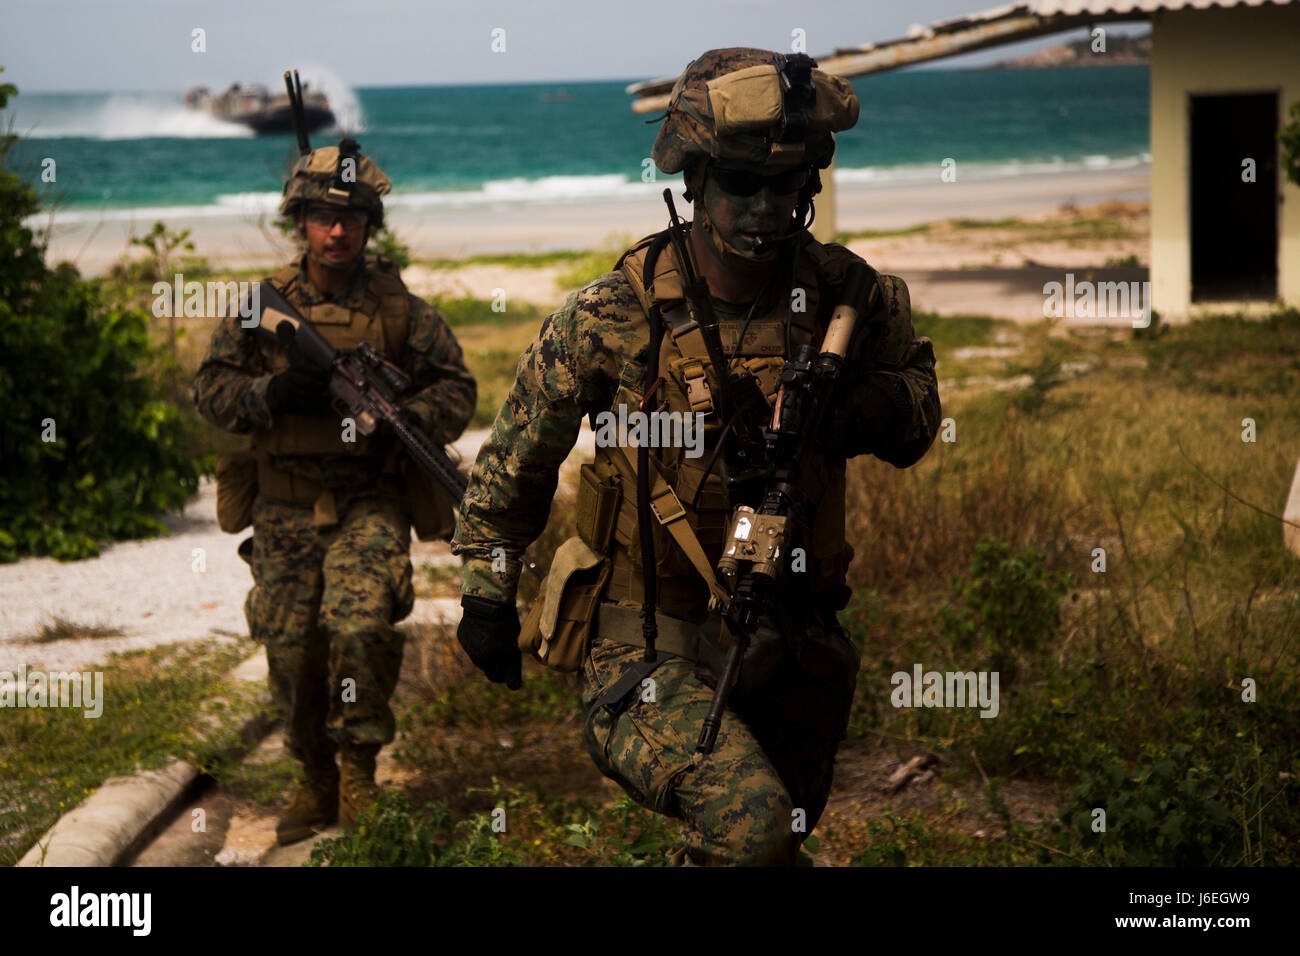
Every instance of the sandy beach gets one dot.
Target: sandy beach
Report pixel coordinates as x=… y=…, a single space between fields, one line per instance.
x=239 y=240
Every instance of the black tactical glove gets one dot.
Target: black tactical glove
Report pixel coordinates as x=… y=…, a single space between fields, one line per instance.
x=868 y=415
x=489 y=633
x=298 y=390
x=302 y=387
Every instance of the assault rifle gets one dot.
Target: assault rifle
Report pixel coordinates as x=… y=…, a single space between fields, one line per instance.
x=363 y=385
x=757 y=542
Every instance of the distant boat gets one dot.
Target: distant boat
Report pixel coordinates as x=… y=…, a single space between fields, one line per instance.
x=253 y=106
x=559 y=96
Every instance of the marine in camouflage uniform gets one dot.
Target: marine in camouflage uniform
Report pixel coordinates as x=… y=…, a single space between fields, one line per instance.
x=753 y=799
x=332 y=514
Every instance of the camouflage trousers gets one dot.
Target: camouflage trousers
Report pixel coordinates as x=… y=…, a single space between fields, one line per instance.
x=324 y=603
x=754 y=799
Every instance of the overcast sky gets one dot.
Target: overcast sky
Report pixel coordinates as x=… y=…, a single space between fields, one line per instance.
x=146 y=44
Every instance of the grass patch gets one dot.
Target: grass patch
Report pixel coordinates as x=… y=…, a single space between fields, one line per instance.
x=264 y=783
x=958 y=331
x=468 y=310
x=440 y=580
x=492 y=343
x=515 y=260
x=591 y=266
x=61 y=629
x=921 y=839
x=1127 y=682
x=522 y=828
x=1078 y=228
x=579 y=266
x=844 y=238
x=53 y=757
x=494 y=370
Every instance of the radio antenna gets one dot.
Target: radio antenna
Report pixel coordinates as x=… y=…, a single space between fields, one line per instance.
x=293 y=86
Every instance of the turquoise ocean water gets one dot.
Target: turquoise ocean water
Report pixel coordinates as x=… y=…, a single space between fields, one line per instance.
x=548 y=141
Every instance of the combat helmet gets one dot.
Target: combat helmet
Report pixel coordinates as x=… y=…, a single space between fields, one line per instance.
x=341 y=175
x=754 y=108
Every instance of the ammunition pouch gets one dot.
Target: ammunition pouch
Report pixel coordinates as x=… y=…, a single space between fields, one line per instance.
x=598 y=504
x=290 y=488
x=236 y=490
x=559 y=627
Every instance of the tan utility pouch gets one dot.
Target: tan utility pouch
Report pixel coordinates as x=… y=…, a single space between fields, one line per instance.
x=431 y=507
x=598 y=502
x=236 y=490
x=558 y=629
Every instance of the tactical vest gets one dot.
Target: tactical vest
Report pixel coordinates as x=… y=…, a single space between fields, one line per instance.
x=607 y=505
x=383 y=319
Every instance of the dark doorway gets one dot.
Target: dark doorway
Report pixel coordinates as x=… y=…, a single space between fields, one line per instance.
x=1234 y=223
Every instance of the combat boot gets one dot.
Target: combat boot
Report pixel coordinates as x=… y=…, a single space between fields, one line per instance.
x=357 y=789
x=315 y=804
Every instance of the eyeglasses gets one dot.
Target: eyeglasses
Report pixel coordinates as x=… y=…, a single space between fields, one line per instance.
x=741 y=183
x=324 y=217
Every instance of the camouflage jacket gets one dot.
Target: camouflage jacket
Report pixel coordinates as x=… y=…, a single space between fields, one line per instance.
x=572 y=369
x=230 y=387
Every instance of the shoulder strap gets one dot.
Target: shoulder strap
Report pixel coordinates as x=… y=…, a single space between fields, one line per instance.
x=649 y=563
x=284 y=277
x=653 y=277
x=386 y=292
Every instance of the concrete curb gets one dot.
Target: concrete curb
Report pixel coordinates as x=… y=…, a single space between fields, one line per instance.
x=125 y=813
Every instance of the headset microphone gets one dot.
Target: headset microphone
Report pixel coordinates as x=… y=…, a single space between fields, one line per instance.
x=762 y=246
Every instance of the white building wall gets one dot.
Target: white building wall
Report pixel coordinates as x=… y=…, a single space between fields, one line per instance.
x=1239 y=49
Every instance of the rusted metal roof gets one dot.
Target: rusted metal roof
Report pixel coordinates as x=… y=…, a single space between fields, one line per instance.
x=1053 y=7
x=1009 y=23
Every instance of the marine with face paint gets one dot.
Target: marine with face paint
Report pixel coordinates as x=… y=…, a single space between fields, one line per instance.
x=751 y=130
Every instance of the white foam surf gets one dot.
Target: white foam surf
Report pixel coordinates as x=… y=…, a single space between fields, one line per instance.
x=123 y=116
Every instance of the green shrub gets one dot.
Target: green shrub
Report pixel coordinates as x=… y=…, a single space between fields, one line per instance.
x=1168 y=809
x=1007 y=605
x=387 y=243
x=90 y=448
x=390 y=834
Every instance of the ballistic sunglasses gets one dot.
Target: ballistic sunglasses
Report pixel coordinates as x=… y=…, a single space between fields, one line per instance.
x=740 y=183
x=324 y=217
